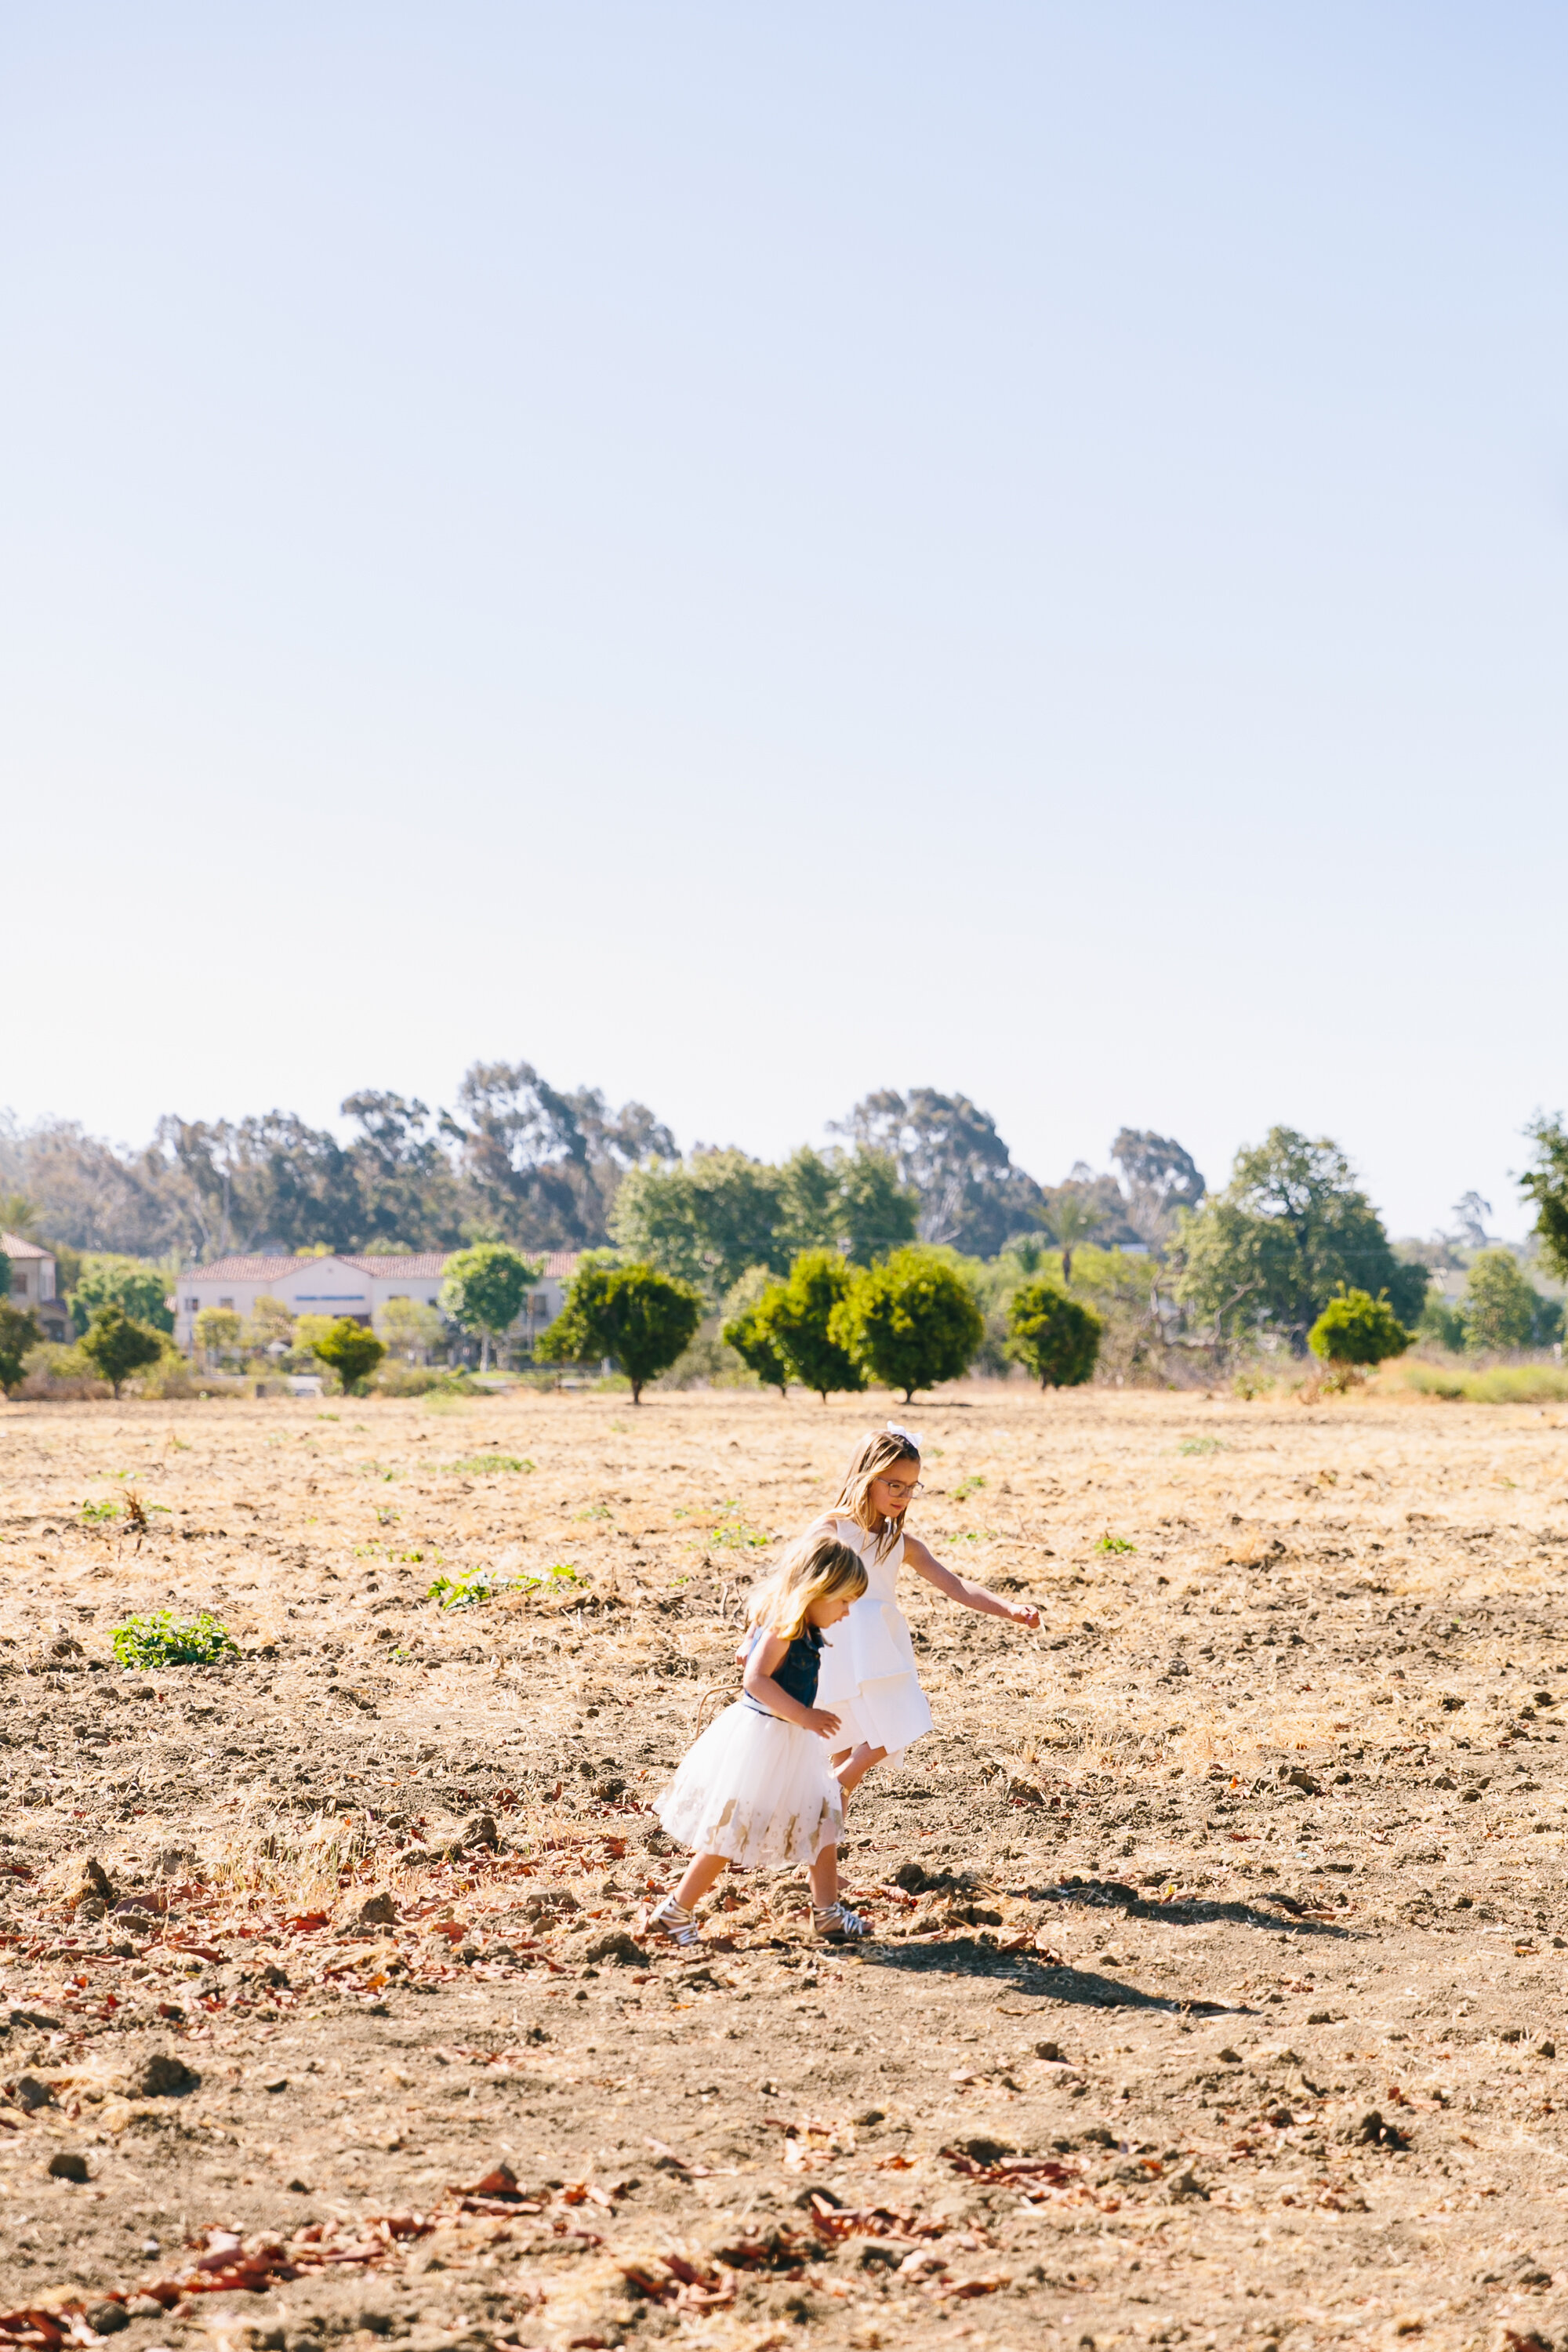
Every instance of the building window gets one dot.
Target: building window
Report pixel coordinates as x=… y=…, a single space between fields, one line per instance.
x=192 y=1305
x=226 y=1302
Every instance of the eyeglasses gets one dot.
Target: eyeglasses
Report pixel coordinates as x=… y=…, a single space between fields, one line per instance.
x=898 y=1486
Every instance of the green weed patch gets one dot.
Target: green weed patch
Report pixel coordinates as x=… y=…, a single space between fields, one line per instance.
x=161 y=1639
x=729 y=1532
x=480 y=1465
x=470 y=1591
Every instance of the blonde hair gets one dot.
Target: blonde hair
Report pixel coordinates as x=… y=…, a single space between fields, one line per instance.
x=815 y=1568
x=876 y=1453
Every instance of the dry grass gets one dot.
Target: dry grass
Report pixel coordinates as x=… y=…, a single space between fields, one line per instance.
x=1366 y=1587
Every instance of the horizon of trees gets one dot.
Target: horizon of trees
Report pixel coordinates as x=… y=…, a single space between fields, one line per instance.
x=517 y=1161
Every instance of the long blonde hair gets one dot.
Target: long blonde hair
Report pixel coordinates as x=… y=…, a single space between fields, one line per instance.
x=815 y=1568
x=877 y=1452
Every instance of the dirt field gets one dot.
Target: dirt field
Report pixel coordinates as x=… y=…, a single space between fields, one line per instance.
x=1220 y=1925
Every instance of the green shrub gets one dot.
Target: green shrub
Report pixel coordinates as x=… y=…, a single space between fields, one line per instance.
x=395 y=1378
x=1356 y=1329
x=139 y=1290
x=910 y=1322
x=1057 y=1337
x=351 y=1350
x=485 y=1289
x=19 y=1334
x=795 y=1316
x=750 y=1336
x=161 y=1639
x=116 y=1346
x=1442 y=1322
x=1503 y=1309
x=641 y=1318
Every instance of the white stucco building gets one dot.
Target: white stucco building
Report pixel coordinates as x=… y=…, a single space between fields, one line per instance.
x=32 y=1286
x=359 y=1288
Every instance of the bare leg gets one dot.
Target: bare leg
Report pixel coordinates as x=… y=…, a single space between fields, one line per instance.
x=860 y=1760
x=701 y=1872
x=832 y=1919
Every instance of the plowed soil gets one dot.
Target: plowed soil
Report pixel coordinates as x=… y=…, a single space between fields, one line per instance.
x=1215 y=1993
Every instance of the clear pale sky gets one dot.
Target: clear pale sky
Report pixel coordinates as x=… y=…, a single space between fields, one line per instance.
x=745 y=554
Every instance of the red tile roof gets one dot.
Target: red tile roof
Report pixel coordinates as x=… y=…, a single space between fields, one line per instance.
x=427 y=1265
x=424 y=1266
x=243 y=1269
x=13 y=1245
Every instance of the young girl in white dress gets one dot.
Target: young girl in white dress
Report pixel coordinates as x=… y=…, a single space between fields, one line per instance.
x=868 y=1677
x=758 y=1788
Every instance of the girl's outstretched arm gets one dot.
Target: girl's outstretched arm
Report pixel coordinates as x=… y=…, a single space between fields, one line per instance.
x=959 y=1588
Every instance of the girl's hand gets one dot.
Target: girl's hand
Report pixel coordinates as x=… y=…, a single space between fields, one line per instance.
x=820 y=1720
x=1022 y=1616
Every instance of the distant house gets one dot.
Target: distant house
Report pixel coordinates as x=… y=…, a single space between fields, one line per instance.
x=33 y=1285
x=359 y=1288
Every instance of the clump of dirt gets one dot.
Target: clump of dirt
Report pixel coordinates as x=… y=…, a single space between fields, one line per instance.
x=1217 y=1925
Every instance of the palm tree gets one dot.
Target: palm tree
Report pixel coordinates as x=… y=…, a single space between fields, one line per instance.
x=1073 y=1220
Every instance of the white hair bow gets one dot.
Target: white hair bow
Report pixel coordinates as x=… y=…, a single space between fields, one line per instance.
x=908 y=1436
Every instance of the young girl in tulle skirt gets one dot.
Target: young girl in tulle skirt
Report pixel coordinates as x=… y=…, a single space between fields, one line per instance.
x=758 y=1789
x=868 y=1677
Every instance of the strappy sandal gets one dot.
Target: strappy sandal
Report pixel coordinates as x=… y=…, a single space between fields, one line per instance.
x=674 y=1920
x=835 y=1922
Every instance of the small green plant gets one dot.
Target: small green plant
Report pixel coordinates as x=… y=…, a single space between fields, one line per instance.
x=479 y=1464
x=94 y=1512
x=1201 y=1445
x=161 y=1639
x=468 y=1591
x=1108 y=1542
x=965 y=1487
x=729 y=1532
x=595 y=1511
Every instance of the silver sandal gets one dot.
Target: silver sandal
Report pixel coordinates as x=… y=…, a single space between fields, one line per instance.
x=836 y=1924
x=674 y=1920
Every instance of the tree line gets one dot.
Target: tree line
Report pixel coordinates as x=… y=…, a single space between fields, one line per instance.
x=817 y=1270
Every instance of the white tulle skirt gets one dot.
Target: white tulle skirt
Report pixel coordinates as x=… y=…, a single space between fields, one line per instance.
x=757 y=1790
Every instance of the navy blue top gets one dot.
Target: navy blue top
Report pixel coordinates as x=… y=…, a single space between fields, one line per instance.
x=796 y=1671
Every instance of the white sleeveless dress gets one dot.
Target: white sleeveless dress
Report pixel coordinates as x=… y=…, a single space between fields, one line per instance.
x=868 y=1676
